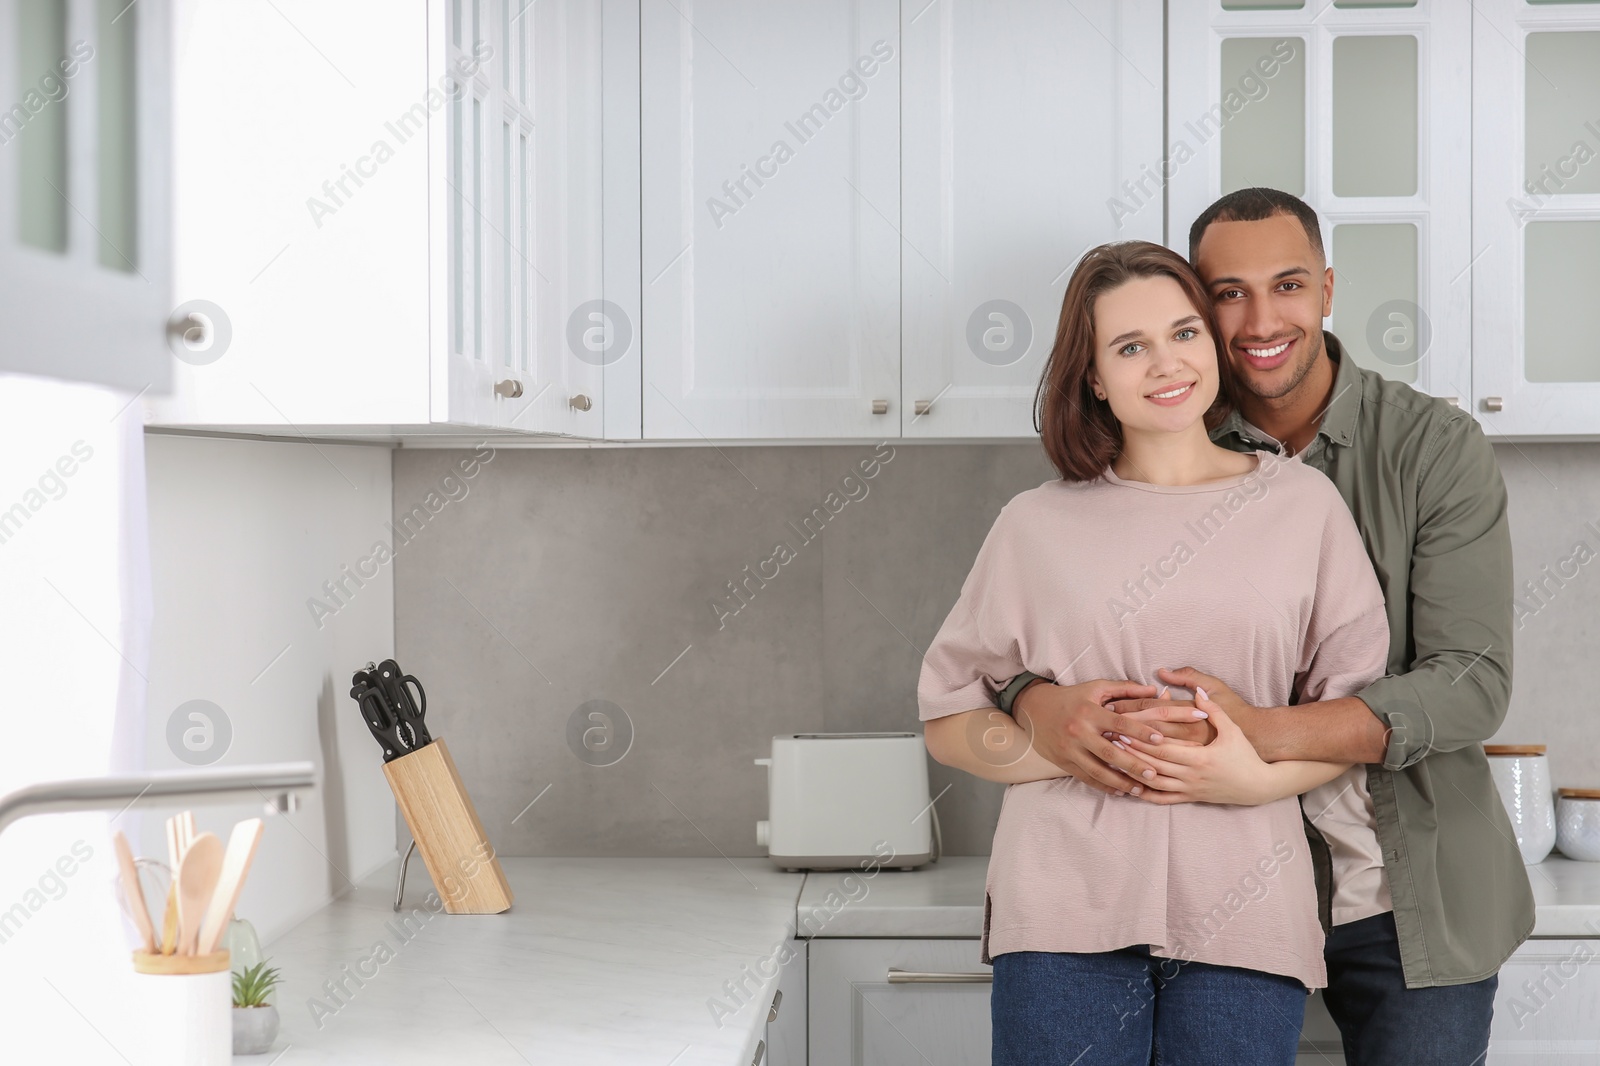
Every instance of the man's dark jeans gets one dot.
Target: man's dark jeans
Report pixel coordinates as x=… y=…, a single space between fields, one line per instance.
x=1383 y=1022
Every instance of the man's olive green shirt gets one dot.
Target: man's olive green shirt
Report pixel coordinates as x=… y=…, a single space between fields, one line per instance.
x=1426 y=492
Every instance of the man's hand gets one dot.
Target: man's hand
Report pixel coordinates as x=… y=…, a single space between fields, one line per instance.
x=1071 y=726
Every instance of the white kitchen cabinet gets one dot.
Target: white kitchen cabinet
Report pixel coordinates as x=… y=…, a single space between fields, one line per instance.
x=770 y=174
x=1364 y=111
x=1547 y=1005
x=935 y=1014
x=388 y=216
x=786 y=1017
x=1021 y=122
x=1536 y=218
x=85 y=190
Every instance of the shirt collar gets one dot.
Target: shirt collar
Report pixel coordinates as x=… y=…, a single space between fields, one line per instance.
x=1343 y=412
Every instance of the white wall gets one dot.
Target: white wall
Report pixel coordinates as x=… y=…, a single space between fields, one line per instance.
x=242 y=534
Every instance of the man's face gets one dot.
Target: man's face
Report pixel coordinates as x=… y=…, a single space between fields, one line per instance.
x=1271 y=290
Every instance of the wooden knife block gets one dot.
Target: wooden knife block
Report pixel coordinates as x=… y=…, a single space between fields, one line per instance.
x=465 y=870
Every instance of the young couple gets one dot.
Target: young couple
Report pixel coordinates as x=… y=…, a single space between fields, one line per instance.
x=1319 y=555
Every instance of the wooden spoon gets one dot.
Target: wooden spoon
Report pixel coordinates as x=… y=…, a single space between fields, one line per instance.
x=197 y=881
x=241 y=849
x=134 y=891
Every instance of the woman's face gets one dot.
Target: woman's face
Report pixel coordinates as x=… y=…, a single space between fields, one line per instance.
x=1153 y=360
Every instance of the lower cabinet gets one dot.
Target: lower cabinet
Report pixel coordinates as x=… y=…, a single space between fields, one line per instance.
x=926 y=1003
x=1547 y=1007
x=786 y=1015
x=934 y=1012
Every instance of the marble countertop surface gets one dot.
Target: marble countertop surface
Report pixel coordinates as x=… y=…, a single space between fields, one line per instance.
x=600 y=961
x=616 y=960
x=945 y=899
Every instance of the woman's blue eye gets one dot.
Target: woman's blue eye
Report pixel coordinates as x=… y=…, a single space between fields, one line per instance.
x=1188 y=333
x=1125 y=349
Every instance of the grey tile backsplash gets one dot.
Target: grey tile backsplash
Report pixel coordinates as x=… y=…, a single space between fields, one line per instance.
x=703 y=599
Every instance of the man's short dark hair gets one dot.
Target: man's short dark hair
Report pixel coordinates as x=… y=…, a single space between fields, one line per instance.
x=1254 y=205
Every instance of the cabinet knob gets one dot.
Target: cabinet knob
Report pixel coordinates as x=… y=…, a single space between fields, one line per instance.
x=922 y=407
x=1494 y=403
x=580 y=402
x=772 y=1014
x=880 y=407
x=761 y=1053
x=510 y=388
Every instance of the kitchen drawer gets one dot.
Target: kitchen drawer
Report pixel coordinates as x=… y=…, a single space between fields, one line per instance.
x=859 y=1018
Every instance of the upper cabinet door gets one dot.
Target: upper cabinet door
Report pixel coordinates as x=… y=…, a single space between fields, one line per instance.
x=85 y=190
x=1362 y=109
x=1536 y=217
x=771 y=248
x=520 y=218
x=1031 y=132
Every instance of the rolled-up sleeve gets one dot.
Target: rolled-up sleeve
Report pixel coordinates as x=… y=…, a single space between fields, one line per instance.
x=976 y=651
x=1458 y=684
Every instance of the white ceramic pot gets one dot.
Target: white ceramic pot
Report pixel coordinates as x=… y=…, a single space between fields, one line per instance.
x=1578 y=824
x=186 y=1013
x=1522 y=774
x=254 y=1029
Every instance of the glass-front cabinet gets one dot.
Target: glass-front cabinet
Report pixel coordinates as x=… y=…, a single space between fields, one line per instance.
x=1362 y=110
x=85 y=260
x=1536 y=217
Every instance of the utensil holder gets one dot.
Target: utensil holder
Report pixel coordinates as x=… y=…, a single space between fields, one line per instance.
x=186 y=1002
x=465 y=870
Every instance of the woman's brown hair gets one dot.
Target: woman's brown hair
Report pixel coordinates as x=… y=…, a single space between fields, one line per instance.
x=1079 y=432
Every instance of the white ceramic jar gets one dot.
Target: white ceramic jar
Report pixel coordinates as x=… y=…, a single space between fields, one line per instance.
x=1522 y=774
x=1578 y=824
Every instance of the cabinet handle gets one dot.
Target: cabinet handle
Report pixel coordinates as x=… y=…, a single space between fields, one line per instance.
x=579 y=402
x=761 y=1053
x=880 y=407
x=510 y=388
x=922 y=407
x=1493 y=403
x=898 y=976
x=772 y=1014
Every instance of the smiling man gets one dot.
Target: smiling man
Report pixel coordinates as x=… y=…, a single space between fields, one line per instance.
x=1422 y=888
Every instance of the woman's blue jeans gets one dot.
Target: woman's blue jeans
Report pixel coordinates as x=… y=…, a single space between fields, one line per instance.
x=1129 y=1008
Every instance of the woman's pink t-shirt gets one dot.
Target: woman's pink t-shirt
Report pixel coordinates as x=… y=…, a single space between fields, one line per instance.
x=1259 y=579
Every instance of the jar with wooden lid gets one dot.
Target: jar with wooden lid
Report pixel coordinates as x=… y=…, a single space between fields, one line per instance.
x=1522 y=774
x=1578 y=823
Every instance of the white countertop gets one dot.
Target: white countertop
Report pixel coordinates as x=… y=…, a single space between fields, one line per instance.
x=946 y=899
x=599 y=961
x=606 y=961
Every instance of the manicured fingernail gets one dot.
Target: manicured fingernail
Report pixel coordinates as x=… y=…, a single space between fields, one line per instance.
x=1149 y=774
x=1124 y=739
x=1155 y=738
x=1201 y=714
x=1165 y=692
x=1202 y=692
x=1137 y=791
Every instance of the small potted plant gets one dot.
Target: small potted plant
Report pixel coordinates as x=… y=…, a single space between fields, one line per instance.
x=255 y=1021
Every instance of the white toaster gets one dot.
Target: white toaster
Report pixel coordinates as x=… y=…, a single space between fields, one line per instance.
x=837 y=799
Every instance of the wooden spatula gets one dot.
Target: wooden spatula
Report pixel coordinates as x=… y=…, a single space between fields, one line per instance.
x=134 y=891
x=235 y=865
x=197 y=880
